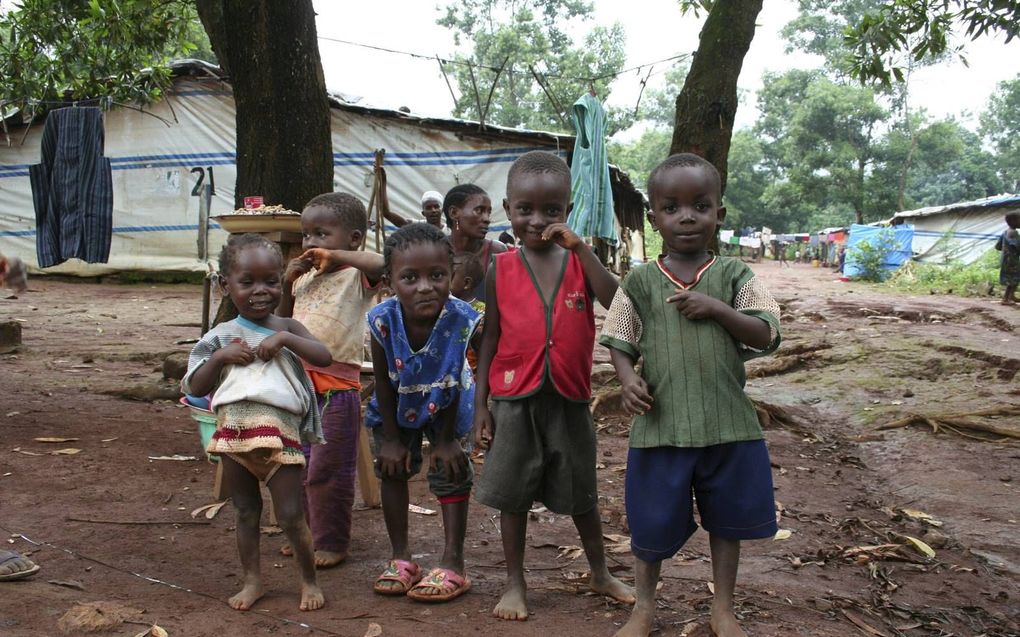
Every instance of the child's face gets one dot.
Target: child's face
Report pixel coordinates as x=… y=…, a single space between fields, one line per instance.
x=433 y=213
x=536 y=201
x=472 y=219
x=685 y=209
x=321 y=228
x=254 y=283
x=420 y=277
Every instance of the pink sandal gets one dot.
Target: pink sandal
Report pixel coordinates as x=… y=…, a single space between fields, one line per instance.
x=450 y=582
x=403 y=572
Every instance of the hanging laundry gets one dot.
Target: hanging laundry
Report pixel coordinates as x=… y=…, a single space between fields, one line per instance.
x=72 y=189
x=593 y=214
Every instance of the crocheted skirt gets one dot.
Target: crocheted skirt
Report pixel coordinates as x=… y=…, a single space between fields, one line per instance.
x=252 y=428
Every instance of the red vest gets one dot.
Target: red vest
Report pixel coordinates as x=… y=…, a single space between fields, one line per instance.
x=536 y=340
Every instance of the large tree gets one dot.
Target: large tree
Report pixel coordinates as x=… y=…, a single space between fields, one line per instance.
x=64 y=50
x=271 y=53
x=524 y=69
x=1000 y=123
x=707 y=103
x=924 y=29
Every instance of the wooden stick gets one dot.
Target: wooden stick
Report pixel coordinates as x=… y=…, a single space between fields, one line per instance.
x=137 y=522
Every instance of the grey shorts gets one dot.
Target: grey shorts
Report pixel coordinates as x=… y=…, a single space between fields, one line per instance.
x=439 y=483
x=543 y=449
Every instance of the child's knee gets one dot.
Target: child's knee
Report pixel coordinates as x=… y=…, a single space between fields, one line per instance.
x=249 y=512
x=289 y=515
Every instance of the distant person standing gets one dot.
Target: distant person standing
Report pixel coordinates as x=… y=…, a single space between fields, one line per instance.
x=431 y=205
x=782 y=254
x=1009 y=267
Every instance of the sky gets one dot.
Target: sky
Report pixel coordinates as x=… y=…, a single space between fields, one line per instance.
x=655 y=31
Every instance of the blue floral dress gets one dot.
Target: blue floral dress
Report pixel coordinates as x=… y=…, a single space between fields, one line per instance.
x=430 y=379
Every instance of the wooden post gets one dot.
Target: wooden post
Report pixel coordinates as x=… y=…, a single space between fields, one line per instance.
x=368 y=484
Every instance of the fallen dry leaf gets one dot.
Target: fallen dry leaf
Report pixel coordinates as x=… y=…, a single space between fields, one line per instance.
x=154 y=631
x=178 y=457
x=374 y=630
x=69 y=451
x=27 y=453
x=570 y=552
x=210 y=510
x=711 y=587
x=414 y=508
x=920 y=546
x=46 y=439
x=783 y=534
x=109 y=439
x=70 y=583
x=11 y=414
x=922 y=516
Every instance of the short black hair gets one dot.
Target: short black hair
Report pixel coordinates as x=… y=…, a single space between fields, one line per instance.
x=1013 y=214
x=237 y=243
x=685 y=160
x=347 y=208
x=537 y=162
x=472 y=267
x=413 y=234
x=458 y=196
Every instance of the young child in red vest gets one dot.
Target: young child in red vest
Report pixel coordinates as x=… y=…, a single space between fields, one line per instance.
x=535 y=361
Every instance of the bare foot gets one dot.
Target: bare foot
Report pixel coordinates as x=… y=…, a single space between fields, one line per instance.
x=612 y=587
x=327 y=559
x=724 y=624
x=513 y=605
x=312 y=597
x=639 y=624
x=287 y=550
x=245 y=599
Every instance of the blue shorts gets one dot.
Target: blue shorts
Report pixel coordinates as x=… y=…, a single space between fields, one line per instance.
x=732 y=483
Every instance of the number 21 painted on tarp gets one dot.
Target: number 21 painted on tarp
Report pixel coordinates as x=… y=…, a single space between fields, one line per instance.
x=196 y=191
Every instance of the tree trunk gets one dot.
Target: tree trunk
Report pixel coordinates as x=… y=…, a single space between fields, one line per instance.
x=707 y=104
x=270 y=50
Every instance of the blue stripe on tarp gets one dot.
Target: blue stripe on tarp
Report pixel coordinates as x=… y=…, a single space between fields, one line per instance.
x=222 y=158
x=500 y=227
x=957 y=235
x=123 y=229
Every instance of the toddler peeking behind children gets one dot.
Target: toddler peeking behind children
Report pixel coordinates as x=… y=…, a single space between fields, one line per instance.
x=331 y=302
x=424 y=389
x=535 y=361
x=695 y=318
x=265 y=407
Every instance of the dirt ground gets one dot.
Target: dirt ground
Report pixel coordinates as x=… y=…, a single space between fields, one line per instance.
x=110 y=524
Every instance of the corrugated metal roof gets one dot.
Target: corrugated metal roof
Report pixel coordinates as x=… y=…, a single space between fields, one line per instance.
x=995 y=201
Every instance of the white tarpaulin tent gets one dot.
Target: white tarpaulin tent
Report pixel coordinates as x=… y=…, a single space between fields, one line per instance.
x=157 y=167
x=958 y=232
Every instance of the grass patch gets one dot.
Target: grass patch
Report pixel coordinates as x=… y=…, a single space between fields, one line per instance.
x=977 y=279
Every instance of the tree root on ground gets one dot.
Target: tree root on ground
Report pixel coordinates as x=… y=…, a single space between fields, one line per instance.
x=962 y=425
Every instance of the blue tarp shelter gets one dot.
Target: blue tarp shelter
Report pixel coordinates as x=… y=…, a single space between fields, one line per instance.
x=901 y=237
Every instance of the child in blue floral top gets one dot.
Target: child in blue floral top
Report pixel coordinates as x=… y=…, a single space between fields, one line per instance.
x=424 y=389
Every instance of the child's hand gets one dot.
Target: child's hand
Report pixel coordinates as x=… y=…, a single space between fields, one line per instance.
x=695 y=305
x=635 y=396
x=321 y=259
x=271 y=346
x=297 y=267
x=449 y=456
x=562 y=235
x=237 y=353
x=483 y=427
x=394 y=459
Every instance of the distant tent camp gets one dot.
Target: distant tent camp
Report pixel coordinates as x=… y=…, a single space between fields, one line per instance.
x=958 y=232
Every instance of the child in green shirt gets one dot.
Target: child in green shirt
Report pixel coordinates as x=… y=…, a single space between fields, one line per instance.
x=695 y=318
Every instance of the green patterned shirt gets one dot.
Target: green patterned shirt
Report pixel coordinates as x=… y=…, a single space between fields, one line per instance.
x=694 y=369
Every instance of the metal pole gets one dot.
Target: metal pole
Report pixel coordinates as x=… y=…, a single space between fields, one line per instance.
x=204 y=203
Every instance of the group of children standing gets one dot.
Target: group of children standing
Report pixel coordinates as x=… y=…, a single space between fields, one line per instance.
x=296 y=349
